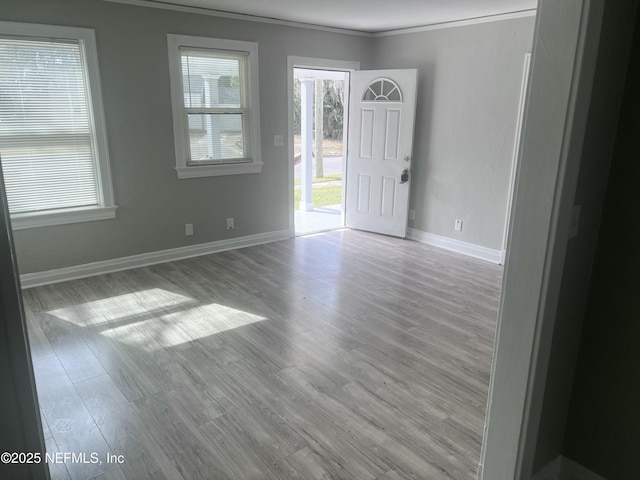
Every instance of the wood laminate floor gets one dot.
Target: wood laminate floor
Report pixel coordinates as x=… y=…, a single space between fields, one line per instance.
x=344 y=355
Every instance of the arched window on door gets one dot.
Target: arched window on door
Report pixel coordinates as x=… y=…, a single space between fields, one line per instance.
x=382 y=90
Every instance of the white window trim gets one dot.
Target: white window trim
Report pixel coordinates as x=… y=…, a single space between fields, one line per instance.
x=106 y=208
x=22 y=221
x=177 y=101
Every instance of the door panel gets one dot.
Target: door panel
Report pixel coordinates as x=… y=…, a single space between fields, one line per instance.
x=364 y=194
x=388 y=200
x=392 y=140
x=382 y=110
x=366 y=132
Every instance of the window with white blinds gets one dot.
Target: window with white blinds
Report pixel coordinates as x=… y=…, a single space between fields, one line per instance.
x=215 y=103
x=49 y=146
x=214 y=95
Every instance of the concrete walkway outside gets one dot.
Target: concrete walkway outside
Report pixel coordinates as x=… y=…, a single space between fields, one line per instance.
x=320 y=218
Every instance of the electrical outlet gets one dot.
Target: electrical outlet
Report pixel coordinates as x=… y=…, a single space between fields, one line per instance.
x=458 y=226
x=412 y=214
x=188 y=229
x=230 y=224
x=278 y=140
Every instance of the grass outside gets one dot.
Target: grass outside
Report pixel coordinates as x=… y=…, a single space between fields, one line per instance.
x=323 y=195
x=331 y=195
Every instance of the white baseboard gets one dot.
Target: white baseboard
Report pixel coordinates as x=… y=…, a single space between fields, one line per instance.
x=470 y=249
x=35 y=279
x=562 y=468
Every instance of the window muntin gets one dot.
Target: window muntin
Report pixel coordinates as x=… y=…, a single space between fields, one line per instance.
x=52 y=141
x=382 y=90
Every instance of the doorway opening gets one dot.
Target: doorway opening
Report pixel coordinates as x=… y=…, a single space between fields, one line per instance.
x=320 y=100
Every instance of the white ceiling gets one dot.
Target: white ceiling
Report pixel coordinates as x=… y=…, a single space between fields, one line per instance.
x=364 y=15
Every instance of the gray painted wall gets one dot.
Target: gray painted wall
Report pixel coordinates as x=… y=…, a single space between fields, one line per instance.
x=465 y=129
x=153 y=203
x=468 y=94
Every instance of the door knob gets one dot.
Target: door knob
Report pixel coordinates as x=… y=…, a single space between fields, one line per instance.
x=404 y=176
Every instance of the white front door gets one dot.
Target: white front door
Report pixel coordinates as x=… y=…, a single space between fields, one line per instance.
x=381 y=113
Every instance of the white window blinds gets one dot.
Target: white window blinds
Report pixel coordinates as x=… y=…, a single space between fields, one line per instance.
x=46 y=132
x=216 y=105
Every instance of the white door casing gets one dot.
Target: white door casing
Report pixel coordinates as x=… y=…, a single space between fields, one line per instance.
x=382 y=108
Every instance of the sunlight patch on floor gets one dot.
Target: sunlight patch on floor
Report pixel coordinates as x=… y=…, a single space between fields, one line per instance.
x=170 y=330
x=121 y=307
x=155 y=318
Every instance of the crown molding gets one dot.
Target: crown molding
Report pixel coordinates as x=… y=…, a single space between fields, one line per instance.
x=166 y=5
x=458 y=23
x=237 y=16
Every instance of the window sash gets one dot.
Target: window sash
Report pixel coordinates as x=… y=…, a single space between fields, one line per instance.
x=210 y=67
x=47 y=138
x=203 y=70
x=248 y=108
x=217 y=142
